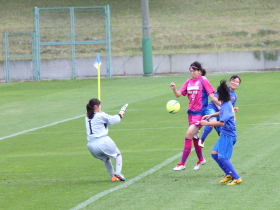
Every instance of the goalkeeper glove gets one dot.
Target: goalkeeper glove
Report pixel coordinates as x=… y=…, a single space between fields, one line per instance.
x=122 y=111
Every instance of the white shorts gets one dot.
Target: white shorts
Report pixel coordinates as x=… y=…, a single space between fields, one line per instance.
x=103 y=148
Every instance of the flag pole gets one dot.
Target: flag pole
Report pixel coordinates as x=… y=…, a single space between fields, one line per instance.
x=97 y=65
x=98 y=85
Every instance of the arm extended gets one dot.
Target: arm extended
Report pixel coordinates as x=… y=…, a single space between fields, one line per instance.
x=214 y=123
x=176 y=92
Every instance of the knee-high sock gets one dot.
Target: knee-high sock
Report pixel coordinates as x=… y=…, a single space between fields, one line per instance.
x=215 y=157
x=229 y=168
x=198 y=150
x=109 y=167
x=119 y=163
x=186 y=151
x=206 y=131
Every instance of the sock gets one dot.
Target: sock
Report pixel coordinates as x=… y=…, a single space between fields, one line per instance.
x=206 y=131
x=215 y=157
x=119 y=163
x=229 y=168
x=186 y=151
x=198 y=149
x=109 y=167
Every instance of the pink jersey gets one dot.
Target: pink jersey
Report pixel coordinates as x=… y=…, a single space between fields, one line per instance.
x=197 y=91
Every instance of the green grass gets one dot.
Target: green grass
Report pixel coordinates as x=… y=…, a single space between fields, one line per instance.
x=188 y=26
x=51 y=168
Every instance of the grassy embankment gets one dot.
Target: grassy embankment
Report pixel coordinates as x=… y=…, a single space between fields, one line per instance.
x=177 y=26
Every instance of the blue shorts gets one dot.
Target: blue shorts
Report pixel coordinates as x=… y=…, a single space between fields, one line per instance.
x=224 y=146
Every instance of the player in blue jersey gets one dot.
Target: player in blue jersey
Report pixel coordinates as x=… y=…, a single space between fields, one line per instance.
x=234 y=82
x=223 y=148
x=100 y=145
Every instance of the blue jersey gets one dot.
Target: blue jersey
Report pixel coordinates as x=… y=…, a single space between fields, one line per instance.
x=233 y=98
x=227 y=116
x=212 y=105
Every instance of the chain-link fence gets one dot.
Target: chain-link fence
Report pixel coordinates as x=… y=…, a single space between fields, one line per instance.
x=19 y=47
x=177 y=27
x=74 y=32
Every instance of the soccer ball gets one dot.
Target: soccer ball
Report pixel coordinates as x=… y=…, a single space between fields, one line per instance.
x=173 y=106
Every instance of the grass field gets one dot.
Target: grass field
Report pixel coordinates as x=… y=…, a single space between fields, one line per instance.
x=177 y=26
x=45 y=163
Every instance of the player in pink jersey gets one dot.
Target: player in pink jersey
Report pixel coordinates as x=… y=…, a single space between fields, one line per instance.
x=197 y=88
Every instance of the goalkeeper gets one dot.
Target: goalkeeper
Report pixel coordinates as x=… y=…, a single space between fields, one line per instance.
x=100 y=145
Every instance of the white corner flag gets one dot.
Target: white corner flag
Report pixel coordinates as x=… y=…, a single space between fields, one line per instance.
x=97 y=65
x=97 y=62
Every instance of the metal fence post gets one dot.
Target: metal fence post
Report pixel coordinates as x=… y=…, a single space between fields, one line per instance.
x=7 y=63
x=146 y=40
x=72 y=36
x=37 y=71
x=108 y=42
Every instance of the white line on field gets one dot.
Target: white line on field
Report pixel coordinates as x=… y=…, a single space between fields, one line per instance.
x=125 y=184
x=44 y=126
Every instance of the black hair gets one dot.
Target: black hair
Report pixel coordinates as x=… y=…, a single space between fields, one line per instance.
x=235 y=77
x=90 y=107
x=223 y=91
x=198 y=67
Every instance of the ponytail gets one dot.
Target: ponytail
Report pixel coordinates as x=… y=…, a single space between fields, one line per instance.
x=90 y=107
x=223 y=92
x=203 y=72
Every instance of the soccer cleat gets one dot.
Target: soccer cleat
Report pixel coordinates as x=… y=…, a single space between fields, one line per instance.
x=114 y=179
x=179 y=167
x=226 y=179
x=200 y=143
x=120 y=176
x=199 y=164
x=235 y=181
